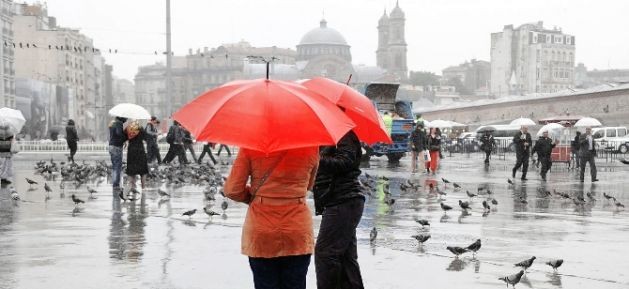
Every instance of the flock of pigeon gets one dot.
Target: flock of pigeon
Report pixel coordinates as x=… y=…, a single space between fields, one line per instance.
x=370 y=185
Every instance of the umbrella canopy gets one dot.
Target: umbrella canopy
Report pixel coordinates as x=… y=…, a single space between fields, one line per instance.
x=554 y=130
x=11 y=121
x=588 y=122
x=129 y=110
x=264 y=115
x=522 y=121
x=456 y=124
x=369 y=125
x=440 y=123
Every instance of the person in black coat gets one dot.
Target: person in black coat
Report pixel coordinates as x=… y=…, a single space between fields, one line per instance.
x=487 y=144
x=418 y=145
x=522 y=141
x=339 y=198
x=574 y=148
x=587 y=152
x=544 y=147
x=72 y=138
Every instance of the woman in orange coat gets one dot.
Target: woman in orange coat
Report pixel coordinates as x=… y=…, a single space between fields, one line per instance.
x=277 y=234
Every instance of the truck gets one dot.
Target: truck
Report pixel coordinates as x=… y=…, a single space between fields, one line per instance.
x=383 y=95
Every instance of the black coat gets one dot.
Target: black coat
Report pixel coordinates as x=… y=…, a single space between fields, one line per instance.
x=519 y=142
x=487 y=143
x=433 y=143
x=543 y=147
x=418 y=140
x=584 y=150
x=337 y=176
x=71 y=134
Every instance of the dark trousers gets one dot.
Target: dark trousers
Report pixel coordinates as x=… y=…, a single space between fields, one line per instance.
x=522 y=160
x=152 y=152
x=588 y=158
x=176 y=150
x=190 y=147
x=73 y=147
x=546 y=164
x=287 y=272
x=487 y=154
x=220 y=148
x=207 y=149
x=336 y=258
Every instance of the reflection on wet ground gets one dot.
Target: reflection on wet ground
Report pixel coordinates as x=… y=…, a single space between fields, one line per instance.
x=147 y=243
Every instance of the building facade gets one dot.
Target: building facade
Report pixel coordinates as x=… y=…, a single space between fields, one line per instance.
x=323 y=51
x=392 y=48
x=474 y=76
x=7 y=71
x=531 y=59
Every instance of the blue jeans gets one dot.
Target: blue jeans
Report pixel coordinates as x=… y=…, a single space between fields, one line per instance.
x=116 y=165
x=288 y=272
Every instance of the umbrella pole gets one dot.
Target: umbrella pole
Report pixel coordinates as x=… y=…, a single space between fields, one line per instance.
x=348 y=79
x=267 y=69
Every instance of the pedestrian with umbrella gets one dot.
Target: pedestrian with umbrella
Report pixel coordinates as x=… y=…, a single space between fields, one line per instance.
x=544 y=147
x=587 y=153
x=11 y=123
x=522 y=140
x=487 y=145
x=137 y=163
x=278 y=126
x=72 y=138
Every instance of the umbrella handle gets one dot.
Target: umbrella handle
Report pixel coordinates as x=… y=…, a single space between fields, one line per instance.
x=348 y=79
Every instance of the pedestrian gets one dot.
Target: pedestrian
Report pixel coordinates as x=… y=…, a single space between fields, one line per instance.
x=574 y=148
x=137 y=163
x=544 y=147
x=220 y=148
x=188 y=144
x=587 y=152
x=418 y=145
x=522 y=141
x=339 y=198
x=207 y=149
x=277 y=234
x=117 y=138
x=433 y=143
x=152 y=149
x=8 y=148
x=174 y=138
x=387 y=119
x=487 y=144
x=72 y=138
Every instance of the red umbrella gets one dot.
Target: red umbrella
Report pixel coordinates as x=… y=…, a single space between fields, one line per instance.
x=369 y=125
x=264 y=115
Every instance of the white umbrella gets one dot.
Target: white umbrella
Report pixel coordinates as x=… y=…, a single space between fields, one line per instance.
x=553 y=129
x=522 y=121
x=456 y=124
x=11 y=121
x=129 y=110
x=588 y=122
x=440 y=123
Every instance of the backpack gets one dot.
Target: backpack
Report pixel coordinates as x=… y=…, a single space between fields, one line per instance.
x=170 y=137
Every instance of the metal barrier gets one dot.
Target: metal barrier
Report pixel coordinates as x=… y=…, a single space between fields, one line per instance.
x=62 y=146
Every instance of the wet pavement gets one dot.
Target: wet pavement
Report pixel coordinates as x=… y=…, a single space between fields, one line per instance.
x=148 y=244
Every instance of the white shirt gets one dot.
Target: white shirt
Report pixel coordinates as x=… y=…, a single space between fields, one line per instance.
x=590 y=147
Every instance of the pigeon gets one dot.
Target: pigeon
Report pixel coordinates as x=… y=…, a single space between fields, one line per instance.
x=494 y=202
x=389 y=201
x=486 y=206
x=14 y=195
x=510 y=182
x=523 y=200
x=578 y=201
x=47 y=188
x=456 y=250
x=512 y=279
x=526 y=263
x=31 y=182
x=189 y=213
x=609 y=197
x=464 y=205
x=373 y=235
x=421 y=238
x=591 y=197
x=162 y=193
x=423 y=222
x=474 y=247
x=555 y=263
x=224 y=205
x=445 y=207
x=445 y=181
x=471 y=195
x=121 y=196
x=618 y=204
x=210 y=213
x=77 y=200
x=456 y=186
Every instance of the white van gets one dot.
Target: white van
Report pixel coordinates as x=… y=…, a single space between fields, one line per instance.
x=611 y=137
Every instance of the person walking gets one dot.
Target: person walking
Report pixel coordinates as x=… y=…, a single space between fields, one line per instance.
x=418 y=145
x=188 y=144
x=8 y=148
x=207 y=149
x=151 y=131
x=544 y=147
x=175 y=140
x=137 y=163
x=487 y=145
x=575 y=146
x=277 y=234
x=433 y=143
x=522 y=141
x=220 y=148
x=587 y=152
x=117 y=138
x=72 y=137
x=339 y=198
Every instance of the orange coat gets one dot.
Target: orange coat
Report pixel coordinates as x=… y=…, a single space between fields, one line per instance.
x=275 y=230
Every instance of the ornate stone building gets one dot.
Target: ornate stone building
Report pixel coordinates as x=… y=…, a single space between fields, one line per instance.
x=391 y=53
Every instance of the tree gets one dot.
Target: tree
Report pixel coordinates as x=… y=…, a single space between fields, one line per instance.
x=459 y=86
x=423 y=78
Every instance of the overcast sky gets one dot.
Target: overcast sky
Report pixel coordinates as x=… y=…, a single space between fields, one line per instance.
x=439 y=33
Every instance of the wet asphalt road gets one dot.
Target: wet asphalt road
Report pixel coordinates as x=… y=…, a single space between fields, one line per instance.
x=148 y=244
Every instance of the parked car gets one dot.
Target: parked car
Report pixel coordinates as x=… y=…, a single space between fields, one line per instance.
x=612 y=138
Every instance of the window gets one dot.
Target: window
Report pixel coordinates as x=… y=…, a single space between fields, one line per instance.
x=611 y=132
x=622 y=132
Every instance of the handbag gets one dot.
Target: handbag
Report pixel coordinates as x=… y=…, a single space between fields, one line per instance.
x=426 y=155
x=266 y=176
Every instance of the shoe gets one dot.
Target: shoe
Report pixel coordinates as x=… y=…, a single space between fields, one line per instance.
x=524 y=179
x=544 y=179
x=595 y=180
x=582 y=180
x=513 y=174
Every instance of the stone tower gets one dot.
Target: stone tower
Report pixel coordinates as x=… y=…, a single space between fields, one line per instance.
x=382 y=54
x=391 y=53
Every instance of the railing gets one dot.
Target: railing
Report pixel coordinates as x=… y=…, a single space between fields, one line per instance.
x=97 y=147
